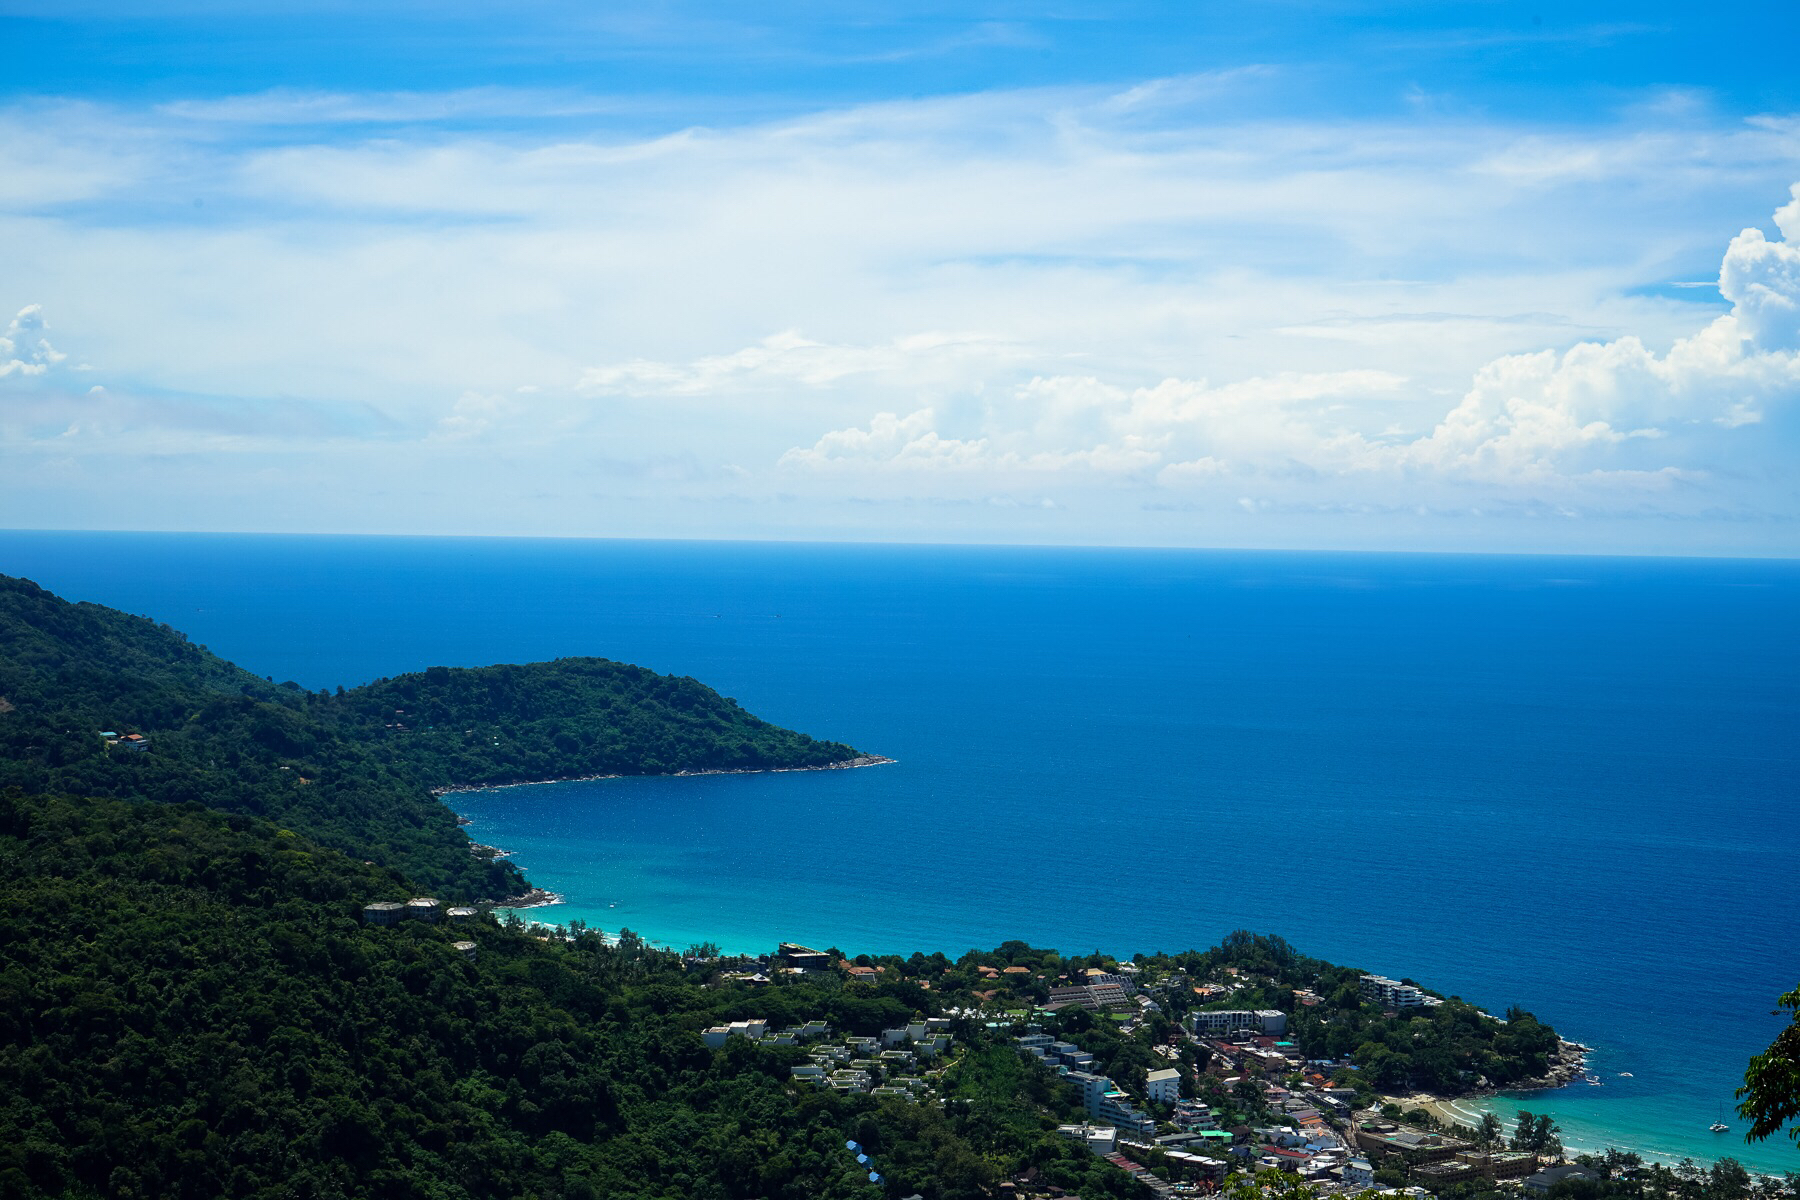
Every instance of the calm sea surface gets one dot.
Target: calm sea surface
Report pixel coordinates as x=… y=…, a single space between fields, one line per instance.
x=1563 y=783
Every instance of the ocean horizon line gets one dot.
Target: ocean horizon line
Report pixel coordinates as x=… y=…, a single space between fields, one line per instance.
x=1369 y=550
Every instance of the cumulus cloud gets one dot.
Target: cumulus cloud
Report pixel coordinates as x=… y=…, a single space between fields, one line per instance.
x=1597 y=413
x=1531 y=416
x=1762 y=280
x=1184 y=429
x=24 y=349
x=909 y=443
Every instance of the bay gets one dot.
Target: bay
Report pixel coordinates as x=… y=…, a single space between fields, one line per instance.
x=1558 y=782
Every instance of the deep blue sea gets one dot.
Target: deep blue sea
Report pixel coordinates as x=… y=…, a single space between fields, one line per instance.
x=1563 y=783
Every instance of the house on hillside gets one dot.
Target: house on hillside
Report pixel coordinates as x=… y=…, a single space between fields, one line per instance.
x=384 y=912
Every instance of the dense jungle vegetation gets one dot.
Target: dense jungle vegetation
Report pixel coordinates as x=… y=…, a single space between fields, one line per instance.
x=345 y=769
x=573 y=716
x=190 y=1004
x=191 y=1007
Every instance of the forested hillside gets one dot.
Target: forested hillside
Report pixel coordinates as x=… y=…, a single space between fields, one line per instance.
x=573 y=716
x=1448 y=1048
x=353 y=770
x=190 y=1007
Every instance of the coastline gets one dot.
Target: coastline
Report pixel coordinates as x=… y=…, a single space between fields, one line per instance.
x=1568 y=1064
x=1463 y=1110
x=537 y=897
x=1466 y=1109
x=848 y=764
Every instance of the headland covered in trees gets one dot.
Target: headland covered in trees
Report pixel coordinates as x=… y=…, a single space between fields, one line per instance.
x=95 y=702
x=192 y=1004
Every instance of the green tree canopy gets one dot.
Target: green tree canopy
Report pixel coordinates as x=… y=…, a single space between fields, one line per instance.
x=1770 y=1097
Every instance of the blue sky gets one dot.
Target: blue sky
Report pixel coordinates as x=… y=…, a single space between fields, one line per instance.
x=1480 y=276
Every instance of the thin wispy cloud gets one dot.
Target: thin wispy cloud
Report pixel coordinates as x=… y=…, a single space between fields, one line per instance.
x=288 y=106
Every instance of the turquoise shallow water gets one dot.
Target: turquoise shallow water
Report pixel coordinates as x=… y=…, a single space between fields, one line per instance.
x=1564 y=783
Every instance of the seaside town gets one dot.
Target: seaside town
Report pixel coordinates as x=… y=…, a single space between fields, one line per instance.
x=1203 y=1091
x=1161 y=1132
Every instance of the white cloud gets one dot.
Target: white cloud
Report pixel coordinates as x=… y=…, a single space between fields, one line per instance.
x=908 y=443
x=1526 y=420
x=1116 y=295
x=1204 y=469
x=1529 y=418
x=1762 y=280
x=789 y=358
x=475 y=414
x=289 y=106
x=24 y=349
x=52 y=155
x=1086 y=425
x=1535 y=415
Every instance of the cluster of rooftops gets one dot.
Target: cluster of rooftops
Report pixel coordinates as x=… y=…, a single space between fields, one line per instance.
x=852 y=1064
x=419 y=908
x=422 y=908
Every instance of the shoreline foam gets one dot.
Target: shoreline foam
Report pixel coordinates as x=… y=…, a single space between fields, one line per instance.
x=537 y=897
x=1466 y=1109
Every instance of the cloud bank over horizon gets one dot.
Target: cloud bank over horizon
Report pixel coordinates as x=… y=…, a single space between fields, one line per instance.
x=1543 y=419
x=1154 y=312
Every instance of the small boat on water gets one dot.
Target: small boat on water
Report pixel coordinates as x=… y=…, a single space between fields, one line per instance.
x=1624 y=1074
x=1718 y=1127
x=1591 y=1080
